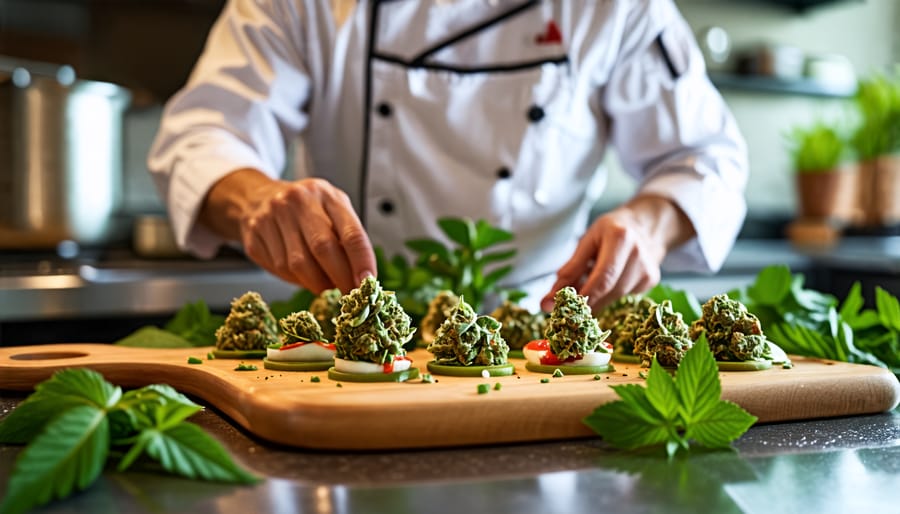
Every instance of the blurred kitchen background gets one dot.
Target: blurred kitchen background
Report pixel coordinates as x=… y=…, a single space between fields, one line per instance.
x=97 y=258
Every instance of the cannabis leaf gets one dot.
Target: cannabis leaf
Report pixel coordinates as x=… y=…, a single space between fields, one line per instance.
x=75 y=418
x=673 y=411
x=66 y=457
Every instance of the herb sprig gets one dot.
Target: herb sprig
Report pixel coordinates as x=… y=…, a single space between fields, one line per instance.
x=807 y=322
x=672 y=412
x=75 y=421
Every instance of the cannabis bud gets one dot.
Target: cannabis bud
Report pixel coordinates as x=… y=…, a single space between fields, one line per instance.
x=466 y=339
x=623 y=318
x=440 y=308
x=571 y=330
x=664 y=334
x=300 y=327
x=372 y=326
x=249 y=325
x=733 y=333
x=325 y=308
x=519 y=325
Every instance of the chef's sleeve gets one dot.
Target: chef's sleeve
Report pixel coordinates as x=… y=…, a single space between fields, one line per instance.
x=244 y=99
x=674 y=133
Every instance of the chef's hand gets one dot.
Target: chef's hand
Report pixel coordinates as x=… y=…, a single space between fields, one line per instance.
x=622 y=251
x=305 y=232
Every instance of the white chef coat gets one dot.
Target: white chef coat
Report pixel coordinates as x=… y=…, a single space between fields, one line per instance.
x=492 y=109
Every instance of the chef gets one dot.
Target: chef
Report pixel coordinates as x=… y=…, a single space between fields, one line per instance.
x=407 y=111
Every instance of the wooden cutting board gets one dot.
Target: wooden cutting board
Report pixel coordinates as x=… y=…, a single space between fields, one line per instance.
x=288 y=408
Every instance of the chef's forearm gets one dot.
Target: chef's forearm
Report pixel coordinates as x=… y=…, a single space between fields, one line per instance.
x=228 y=201
x=661 y=219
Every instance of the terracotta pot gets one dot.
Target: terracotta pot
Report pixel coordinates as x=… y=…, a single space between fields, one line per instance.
x=828 y=195
x=879 y=191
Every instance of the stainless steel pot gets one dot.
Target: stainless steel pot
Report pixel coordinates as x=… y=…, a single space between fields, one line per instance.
x=60 y=156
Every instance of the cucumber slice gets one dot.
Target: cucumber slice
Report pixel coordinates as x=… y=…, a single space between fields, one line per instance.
x=500 y=370
x=625 y=358
x=516 y=354
x=743 y=365
x=570 y=370
x=297 y=365
x=397 y=376
x=239 y=354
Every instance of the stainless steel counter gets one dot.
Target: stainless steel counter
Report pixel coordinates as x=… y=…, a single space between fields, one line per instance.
x=822 y=466
x=133 y=287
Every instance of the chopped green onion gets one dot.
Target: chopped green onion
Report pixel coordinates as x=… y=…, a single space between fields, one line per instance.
x=596 y=377
x=315 y=378
x=194 y=360
x=427 y=378
x=246 y=367
x=483 y=388
x=210 y=356
x=545 y=380
x=557 y=373
x=497 y=386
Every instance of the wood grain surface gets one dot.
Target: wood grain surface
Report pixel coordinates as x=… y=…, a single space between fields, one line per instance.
x=288 y=408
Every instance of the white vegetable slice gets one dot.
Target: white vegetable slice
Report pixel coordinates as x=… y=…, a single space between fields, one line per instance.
x=348 y=366
x=309 y=352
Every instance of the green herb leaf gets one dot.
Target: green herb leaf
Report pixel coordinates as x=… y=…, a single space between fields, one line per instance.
x=698 y=381
x=486 y=235
x=625 y=425
x=772 y=285
x=65 y=389
x=67 y=456
x=185 y=449
x=195 y=323
x=723 y=423
x=299 y=301
x=429 y=247
x=460 y=231
x=153 y=337
x=661 y=390
x=671 y=412
x=682 y=301
x=888 y=309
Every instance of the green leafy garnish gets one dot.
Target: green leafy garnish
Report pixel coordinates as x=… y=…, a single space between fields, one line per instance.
x=470 y=269
x=671 y=412
x=299 y=301
x=245 y=367
x=195 y=323
x=682 y=301
x=154 y=337
x=75 y=420
x=810 y=323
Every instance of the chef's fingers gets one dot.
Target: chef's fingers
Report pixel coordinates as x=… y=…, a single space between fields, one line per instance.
x=617 y=244
x=573 y=271
x=352 y=236
x=319 y=234
x=299 y=260
x=258 y=250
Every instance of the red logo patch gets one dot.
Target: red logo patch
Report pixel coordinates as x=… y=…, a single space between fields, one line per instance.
x=551 y=35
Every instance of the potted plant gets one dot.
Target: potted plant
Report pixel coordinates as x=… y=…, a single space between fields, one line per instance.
x=825 y=175
x=877 y=142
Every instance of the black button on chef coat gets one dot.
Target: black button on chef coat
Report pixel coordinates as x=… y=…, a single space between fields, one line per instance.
x=535 y=113
x=385 y=109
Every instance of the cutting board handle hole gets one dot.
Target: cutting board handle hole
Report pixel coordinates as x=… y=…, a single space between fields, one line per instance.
x=46 y=356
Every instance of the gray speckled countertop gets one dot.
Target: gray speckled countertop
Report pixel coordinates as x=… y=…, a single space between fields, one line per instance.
x=838 y=465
